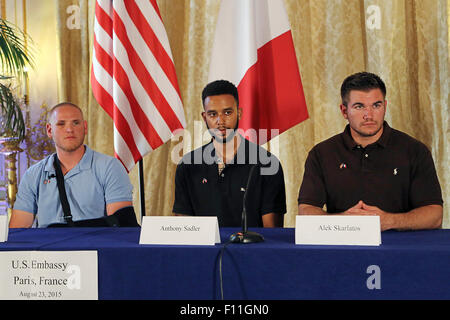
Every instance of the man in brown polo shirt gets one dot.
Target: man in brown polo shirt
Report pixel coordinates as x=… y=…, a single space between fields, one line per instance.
x=371 y=168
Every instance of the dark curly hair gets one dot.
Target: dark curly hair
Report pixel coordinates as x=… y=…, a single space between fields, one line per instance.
x=220 y=87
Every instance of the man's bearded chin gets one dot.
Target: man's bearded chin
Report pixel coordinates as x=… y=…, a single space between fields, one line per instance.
x=227 y=138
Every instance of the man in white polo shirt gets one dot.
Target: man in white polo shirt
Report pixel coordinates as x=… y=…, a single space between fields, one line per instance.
x=96 y=186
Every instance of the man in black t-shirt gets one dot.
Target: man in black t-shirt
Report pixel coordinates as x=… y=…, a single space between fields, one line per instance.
x=212 y=180
x=371 y=168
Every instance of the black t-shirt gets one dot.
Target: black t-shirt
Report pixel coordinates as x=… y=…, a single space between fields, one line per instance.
x=396 y=174
x=201 y=191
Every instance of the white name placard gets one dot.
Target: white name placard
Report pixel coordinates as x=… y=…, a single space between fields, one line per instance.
x=338 y=230
x=178 y=230
x=4 y=228
x=48 y=275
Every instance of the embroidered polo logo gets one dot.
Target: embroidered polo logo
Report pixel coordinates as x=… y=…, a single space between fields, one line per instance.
x=342 y=166
x=204 y=181
x=395 y=171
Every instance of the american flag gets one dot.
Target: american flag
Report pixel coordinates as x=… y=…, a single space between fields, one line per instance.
x=133 y=77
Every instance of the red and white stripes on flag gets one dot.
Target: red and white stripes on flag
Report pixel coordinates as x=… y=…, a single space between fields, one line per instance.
x=133 y=77
x=253 y=48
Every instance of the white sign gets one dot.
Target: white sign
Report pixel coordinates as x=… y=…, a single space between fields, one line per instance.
x=338 y=230
x=48 y=275
x=180 y=230
x=4 y=228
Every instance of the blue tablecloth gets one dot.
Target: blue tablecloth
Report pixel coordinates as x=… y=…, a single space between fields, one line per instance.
x=412 y=265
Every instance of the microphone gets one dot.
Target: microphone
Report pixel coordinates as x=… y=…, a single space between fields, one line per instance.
x=246 y=236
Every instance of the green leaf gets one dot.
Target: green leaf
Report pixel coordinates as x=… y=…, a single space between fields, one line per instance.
x=14 y=56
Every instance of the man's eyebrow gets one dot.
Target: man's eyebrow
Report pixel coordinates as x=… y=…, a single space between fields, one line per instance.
x=68 y=120
x=356 y=103
x=225 y=109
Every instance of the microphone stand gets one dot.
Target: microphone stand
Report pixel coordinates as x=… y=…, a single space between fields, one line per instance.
x=246 y=236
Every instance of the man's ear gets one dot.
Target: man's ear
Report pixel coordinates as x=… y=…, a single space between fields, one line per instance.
x=48 y=128
x=343 y=110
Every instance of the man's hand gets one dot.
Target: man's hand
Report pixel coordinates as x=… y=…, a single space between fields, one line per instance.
x=386 y=218
x=364 y=209
x=357 y=209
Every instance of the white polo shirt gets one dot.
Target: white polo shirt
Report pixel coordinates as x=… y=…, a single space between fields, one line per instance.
x=97 y=180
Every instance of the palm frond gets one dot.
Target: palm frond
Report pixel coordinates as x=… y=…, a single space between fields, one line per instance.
x=14 y=57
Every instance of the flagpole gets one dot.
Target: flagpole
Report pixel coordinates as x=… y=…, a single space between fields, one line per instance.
x=141 y=188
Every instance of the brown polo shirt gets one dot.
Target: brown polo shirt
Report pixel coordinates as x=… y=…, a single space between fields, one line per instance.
x=396 y=173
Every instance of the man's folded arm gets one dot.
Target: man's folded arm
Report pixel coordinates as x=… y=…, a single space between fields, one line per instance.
x=425 y=217
x=273 y=220
x=21 y=219
x=307 y=209
x=113 y=207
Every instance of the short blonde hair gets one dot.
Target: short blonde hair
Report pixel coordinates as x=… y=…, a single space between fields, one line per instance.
x=61 y=104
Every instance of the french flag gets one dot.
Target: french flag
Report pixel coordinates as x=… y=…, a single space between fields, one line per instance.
x=253 y=48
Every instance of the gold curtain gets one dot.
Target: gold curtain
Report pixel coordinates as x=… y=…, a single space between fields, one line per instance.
x=406 y=42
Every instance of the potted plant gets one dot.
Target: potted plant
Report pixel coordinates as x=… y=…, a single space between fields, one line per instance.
x=14 y=58
x=12 y=124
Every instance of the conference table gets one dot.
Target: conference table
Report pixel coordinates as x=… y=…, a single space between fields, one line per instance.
x=407 y=265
